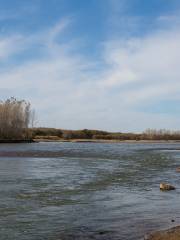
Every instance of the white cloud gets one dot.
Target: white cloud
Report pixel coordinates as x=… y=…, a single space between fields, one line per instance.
x=11 y=45
x=69 y=91
x=150 y=64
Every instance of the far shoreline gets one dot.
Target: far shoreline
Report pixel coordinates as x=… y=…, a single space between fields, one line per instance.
x=105 y=141
x=17 y=141
x=60 y=140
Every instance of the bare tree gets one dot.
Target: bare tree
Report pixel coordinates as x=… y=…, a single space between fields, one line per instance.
x=15 y=118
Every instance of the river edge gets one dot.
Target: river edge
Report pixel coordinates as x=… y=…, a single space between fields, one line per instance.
x=168 y=234
x=105 y=141
x=17 y=141
x=38 y=140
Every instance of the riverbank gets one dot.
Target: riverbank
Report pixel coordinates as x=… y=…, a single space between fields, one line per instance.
x=60 y=140
x=102 y=140
x=17 y=141
x=88 y=135
x=170 y=234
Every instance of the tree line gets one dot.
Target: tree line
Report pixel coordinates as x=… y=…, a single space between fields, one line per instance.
x=17 y=122
x=149 y=134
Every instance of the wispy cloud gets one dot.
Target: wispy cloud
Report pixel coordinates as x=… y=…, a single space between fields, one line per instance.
x=70 y=91
x=10 y=46
x=149 y=63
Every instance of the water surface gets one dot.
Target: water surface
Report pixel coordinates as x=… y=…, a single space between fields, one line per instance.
x=87 y=190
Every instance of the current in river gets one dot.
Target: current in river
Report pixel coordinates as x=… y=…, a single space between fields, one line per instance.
x=74 y=191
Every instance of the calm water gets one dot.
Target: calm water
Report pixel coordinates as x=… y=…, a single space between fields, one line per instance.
x=87 y=190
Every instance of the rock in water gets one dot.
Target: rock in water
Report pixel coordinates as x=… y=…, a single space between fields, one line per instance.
x=166 y=187
x=178 y=169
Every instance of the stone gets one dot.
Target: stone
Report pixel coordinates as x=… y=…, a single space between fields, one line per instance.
x=166 y=187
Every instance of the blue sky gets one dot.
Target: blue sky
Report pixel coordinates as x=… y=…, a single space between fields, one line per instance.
x=98 y=64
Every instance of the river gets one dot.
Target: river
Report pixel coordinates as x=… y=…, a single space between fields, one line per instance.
x=67 y=191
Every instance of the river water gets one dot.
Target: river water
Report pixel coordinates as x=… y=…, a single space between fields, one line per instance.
x=87 y=191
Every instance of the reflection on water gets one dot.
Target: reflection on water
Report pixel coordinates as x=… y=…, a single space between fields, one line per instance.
x=86 y=191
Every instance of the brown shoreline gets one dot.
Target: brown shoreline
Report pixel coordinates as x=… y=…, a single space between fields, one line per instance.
x=169 y=234
x=104 y=141
x=16 y=141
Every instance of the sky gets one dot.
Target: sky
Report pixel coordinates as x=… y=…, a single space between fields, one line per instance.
x=96 y=64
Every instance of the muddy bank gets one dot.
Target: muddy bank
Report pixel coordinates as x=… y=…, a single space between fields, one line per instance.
x=55 y=139
x=16 y=141
x=170 y=234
